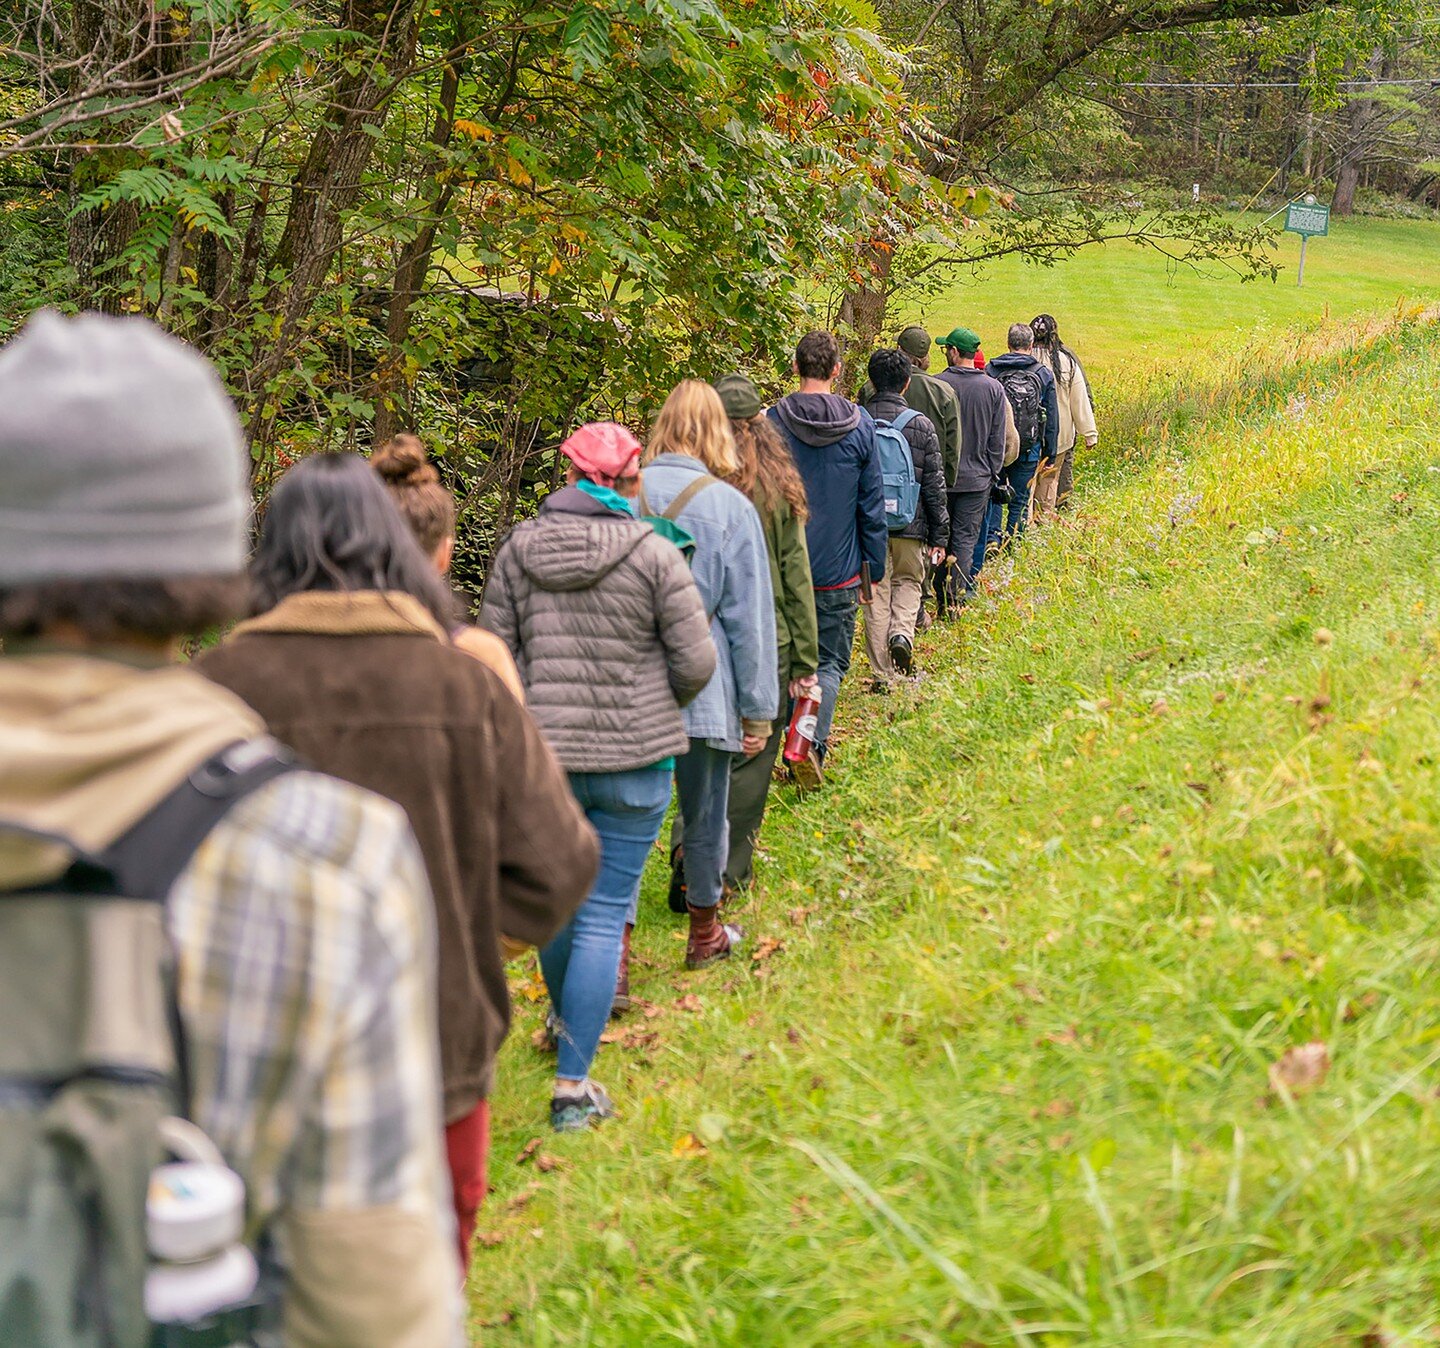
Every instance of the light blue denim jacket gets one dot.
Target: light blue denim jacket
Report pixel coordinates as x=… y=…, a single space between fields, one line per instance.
x=732 y=571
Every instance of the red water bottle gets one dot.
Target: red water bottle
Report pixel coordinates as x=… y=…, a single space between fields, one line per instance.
x=801 y=737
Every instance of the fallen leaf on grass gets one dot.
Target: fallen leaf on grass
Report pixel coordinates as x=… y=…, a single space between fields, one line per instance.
x=545 y=1163
x=1060 y=1109
x=1300 y=1069
x=688 y=1146
x=490 y=1239
x=797 y=916
x=689 y=1002
x=1029 y=991
x=766 y=947
x=528 y=1150
x=520 y=1200
x=1367 y=1002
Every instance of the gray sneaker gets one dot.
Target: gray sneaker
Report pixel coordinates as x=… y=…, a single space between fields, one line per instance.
x=575 y=1113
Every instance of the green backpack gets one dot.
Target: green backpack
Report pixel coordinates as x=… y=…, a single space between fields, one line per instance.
x=91 y=1065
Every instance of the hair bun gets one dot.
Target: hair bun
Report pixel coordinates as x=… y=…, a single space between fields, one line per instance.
x=402 y=462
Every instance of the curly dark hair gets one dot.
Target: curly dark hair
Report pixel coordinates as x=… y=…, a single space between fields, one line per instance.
x=890 y=370
x=114 y=608
x=767 y=473
x=1048 y=347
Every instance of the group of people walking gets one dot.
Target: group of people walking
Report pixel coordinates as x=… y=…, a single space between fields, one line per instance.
x=436 y=797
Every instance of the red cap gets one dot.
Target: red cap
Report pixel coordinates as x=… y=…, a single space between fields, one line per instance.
x=604 y=451
x=979 y=359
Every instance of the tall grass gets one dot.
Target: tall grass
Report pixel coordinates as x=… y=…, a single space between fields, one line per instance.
x=1164 y=807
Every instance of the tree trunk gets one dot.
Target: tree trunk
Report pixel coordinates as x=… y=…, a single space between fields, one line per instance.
x=391 y=391
x=328 y=184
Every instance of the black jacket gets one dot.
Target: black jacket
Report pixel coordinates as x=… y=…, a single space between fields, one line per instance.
x=1049 y=406
x=981 y=401
x=931 y=524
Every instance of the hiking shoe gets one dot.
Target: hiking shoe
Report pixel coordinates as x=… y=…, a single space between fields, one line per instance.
x=807 y=772
x=710 y=939
x=621 y=1004
x=676 y=897
x=575 y=1113
x=902 y=653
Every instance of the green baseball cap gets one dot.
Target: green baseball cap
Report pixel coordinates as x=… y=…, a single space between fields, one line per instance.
x=914 y=341
x=966 y=342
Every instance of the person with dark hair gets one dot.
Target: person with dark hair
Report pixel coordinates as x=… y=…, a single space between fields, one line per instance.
x=429 y=509
x=927 y=394
x=612 y=641
x=350 y=664
x=1077 y=415
x=891 y=617
x=832 y=442
x=985 y=430
x=1030 y=389
x=299 y=919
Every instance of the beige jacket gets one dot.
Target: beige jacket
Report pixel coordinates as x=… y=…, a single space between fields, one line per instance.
x=1077 y=417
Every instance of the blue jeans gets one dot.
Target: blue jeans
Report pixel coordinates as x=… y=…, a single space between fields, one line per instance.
x=580 y=964
x=835 y=617
x=1021 y=477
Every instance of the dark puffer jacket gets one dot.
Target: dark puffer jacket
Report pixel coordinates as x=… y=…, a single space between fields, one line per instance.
x=931 y=524
x=607 y=629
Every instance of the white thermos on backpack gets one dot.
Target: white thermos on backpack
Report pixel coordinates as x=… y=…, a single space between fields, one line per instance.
x=195 y=1223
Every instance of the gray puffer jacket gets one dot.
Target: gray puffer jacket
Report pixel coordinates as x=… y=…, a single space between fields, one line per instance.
x=607 y=630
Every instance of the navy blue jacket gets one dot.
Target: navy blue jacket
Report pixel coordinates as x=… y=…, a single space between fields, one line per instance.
x=833 y=444
x=1049 y=409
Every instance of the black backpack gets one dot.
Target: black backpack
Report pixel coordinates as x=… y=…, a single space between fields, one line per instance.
x=1027 y=399
x=92 y=1063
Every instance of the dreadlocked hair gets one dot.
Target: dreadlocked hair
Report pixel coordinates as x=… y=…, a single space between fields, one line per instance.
x=767 y=474
x=1048 y=343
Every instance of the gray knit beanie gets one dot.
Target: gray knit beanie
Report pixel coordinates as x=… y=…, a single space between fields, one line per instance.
x=120 y=456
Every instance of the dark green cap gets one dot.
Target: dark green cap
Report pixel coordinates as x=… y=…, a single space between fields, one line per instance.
x=739 y=396
x=914 y=341
x=967 y=343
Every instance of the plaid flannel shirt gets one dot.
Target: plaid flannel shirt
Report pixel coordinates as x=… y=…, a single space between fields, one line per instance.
x=305 y=942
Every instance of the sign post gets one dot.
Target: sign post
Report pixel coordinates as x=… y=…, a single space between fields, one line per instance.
x=1306 y=218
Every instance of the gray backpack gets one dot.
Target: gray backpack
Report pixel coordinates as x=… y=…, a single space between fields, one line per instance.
x=91 y=1064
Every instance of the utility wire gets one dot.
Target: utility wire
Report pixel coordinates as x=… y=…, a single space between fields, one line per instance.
x=1429 y=81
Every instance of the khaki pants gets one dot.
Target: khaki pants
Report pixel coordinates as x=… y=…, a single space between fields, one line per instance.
x=1052 y=487
x=896 y=604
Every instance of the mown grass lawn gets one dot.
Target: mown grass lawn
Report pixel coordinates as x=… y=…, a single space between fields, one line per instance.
x=1120 y=305
x=997 y=1068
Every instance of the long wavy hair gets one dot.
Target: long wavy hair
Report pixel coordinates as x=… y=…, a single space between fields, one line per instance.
x=332 y=525
x=767 y=474
x=693 y=422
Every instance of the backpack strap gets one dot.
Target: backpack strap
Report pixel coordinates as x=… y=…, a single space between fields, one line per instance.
x=146 y=861
x=905 y=418
x=690 y=492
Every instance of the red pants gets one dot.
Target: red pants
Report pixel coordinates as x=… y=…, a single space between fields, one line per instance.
x=467 y=1146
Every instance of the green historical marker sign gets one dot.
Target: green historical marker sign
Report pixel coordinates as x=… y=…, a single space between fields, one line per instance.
x=1308 y=219
x=1305 y=218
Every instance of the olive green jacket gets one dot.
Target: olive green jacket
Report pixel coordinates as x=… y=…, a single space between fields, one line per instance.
x=797 y=636
x=934 y=398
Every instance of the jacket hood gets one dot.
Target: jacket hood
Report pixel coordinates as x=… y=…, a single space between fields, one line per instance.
x=89 y=746
x=576 y=541
x=346 y=613
x=1012 y=360
x=817 y=418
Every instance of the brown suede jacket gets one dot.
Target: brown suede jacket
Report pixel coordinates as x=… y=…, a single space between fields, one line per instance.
x=367 y=688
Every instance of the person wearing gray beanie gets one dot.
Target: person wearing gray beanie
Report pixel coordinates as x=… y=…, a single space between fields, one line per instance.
x=286 y=897
x=120 y=455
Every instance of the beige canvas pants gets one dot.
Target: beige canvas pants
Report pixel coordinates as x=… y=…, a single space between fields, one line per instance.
x=896 y=605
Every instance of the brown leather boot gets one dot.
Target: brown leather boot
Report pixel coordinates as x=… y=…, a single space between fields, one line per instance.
x=621 y=1004
x=710 y=939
